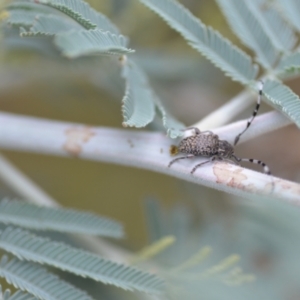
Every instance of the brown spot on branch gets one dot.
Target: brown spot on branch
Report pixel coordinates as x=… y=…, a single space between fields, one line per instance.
x=76 y=137
x=226 y=175
x=234 y=178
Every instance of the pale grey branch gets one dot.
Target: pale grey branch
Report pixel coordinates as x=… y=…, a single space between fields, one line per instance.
x=146 y=150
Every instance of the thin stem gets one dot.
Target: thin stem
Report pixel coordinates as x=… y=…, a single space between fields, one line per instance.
x=22 y=185
x=262 y=124
x=226 y=112
x=145 y=150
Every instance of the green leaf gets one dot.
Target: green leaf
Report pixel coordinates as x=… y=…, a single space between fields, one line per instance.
x=283 y=97
x=37 y=281
x=50 y=25
x=90 y=42
x=83 y=13
x=220 y=51
x=77 y=10
x=28 y=6
x=16 y=296
x=59 y=219
x=138 y=105
x=173 y=126
x=23 y=13
x=140 y=101
x=30 y=247
x=289 y=63
x=291 y=9
x=280 y=33
x=246 y=26
x=19 y=17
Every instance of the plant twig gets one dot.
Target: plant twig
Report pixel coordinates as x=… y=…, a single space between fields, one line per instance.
x=22 y=185
x=145 y=150
x=229 y=110
x=226 y=112
x=262 y=124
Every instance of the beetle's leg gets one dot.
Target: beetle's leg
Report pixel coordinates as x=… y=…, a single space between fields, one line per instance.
x=198 y=131
x=178 y=158
x=205 y=162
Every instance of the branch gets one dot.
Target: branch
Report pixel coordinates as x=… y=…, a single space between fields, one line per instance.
x=146 y=150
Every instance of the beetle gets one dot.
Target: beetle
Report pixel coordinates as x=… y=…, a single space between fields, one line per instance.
x=209 y=145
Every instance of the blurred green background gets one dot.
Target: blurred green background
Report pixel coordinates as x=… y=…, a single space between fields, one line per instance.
x=35 y=82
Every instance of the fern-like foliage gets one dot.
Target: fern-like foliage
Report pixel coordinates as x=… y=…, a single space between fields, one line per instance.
x=220 y=51
x=90 y=42
x=99 y=37
x=30 y=247
x=59 y=219
x=289 y=63
x=138 y=106
x=20 y=17
x=29 y=6
x=265 y=32
x=283 y=97
x=83 y=13
x=38 y=282
x=19 y=295
x=174 y=127
x=279 y=32
x=245 y=25
x=291 y=9
x=75 y=9
x=140 y=101
x=24 y=13
x=49 y=25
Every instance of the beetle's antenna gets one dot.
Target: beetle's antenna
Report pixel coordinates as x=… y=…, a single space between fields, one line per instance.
x=254 y=161
x=260 y=88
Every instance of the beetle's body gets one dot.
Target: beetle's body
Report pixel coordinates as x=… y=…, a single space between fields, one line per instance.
x=206 y=144
x=200 y=145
